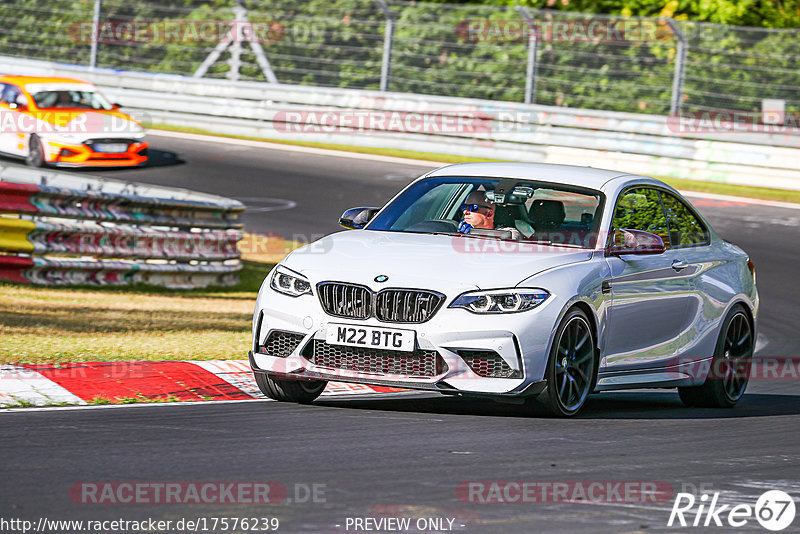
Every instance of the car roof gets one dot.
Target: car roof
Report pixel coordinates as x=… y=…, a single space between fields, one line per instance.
x=588 y=177
x=25 y=80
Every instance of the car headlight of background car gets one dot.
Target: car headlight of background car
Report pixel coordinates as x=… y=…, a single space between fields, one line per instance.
x=289 y=282
x=500 y=300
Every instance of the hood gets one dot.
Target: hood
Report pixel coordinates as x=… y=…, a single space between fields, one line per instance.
x=437 y=262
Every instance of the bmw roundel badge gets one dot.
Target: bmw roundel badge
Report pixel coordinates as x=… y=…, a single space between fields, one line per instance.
x=381 y=278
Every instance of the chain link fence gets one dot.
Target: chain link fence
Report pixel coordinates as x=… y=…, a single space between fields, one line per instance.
x=655 y=66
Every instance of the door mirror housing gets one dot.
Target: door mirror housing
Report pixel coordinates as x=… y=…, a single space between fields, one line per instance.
x=627 y=241
x=357 y=218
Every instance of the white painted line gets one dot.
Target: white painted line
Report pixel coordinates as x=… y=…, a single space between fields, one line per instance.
x=24 y=385
x=85 y=406
x=239 y=374
x=295 y=148
x=742 y=200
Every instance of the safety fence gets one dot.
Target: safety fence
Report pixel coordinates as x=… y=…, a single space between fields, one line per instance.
x=69 y=229
x=636 y=143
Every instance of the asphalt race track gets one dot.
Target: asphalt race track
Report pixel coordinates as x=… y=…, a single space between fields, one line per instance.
x=405 y=455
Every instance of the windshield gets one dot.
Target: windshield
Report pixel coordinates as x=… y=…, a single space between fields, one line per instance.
x=508 y=209
x=71 y=99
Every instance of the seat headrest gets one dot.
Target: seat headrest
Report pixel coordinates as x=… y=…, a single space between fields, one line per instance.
x=547 y=213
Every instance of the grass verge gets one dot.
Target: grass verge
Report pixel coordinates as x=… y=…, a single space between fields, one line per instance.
x=44 y=325
x=763 y=193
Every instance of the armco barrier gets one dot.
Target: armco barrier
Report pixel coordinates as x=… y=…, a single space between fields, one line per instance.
x=646 y=144
x=69 y=229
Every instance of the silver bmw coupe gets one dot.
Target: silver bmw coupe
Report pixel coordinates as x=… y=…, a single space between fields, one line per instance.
x=518 y=282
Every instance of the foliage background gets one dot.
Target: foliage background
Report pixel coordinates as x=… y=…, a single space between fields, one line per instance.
x=338 y=43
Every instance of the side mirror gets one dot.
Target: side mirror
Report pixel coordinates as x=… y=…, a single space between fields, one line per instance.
x=625 y=241
x=357 y=218
x=116 y=106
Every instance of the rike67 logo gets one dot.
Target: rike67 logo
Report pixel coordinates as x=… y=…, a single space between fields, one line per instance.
x=774 y=510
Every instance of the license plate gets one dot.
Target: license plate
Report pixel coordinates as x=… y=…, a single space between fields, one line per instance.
x=111 y=148
x=370 y=337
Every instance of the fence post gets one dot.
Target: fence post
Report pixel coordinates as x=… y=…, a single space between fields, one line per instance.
x=533 y=49
x=388 y=37
x=680 y=68
x=240 y=30
x=95 y=34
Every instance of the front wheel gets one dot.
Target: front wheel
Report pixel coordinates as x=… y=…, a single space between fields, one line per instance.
x=730 y=367
x=35 y=157
x=571 y=366
x=300 y=391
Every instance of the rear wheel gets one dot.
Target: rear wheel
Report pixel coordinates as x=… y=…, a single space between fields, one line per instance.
x=571 y=366
x=300 y=391
x=730 y=367
x=35 y=157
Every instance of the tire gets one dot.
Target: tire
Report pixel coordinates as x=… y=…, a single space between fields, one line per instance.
x=299 y=391
x=730 y=367
x=571 y=367
x=35 y=157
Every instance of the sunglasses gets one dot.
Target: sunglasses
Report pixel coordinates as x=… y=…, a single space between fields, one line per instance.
x=473 y=207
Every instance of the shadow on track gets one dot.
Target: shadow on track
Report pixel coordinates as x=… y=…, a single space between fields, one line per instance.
x=632 y=405
x=162 y=158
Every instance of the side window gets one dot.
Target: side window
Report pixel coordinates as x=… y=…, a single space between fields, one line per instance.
x=3 y=88
x=640 y=209
x=685 y=229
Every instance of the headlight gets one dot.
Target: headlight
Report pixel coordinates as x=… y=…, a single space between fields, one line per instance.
x=289 y=282
x=500 y=300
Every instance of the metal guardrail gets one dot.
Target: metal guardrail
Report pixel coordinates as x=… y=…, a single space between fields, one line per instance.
x=69 y=229
x=637 y=143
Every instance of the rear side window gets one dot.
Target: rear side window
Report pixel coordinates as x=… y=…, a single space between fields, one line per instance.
x=640 y=209
x=685 y=228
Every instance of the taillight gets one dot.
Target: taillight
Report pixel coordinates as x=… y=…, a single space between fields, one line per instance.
x=752 y=268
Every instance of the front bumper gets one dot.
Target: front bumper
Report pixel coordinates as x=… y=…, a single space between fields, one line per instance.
x=531 y=389
x=62 y=154
x=521 y=340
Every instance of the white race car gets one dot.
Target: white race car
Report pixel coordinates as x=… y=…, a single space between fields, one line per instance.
x=577 y=280
x=65 y=122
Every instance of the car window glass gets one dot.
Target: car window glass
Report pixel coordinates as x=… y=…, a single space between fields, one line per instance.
x=640 y=209
x=685 y=228
x=70 y=99
x=438 y=203
x=579 y=209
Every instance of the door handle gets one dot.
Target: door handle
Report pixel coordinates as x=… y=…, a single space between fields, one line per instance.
x=679 y=264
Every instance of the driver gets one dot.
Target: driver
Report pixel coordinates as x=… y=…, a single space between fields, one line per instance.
x=479 y=213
